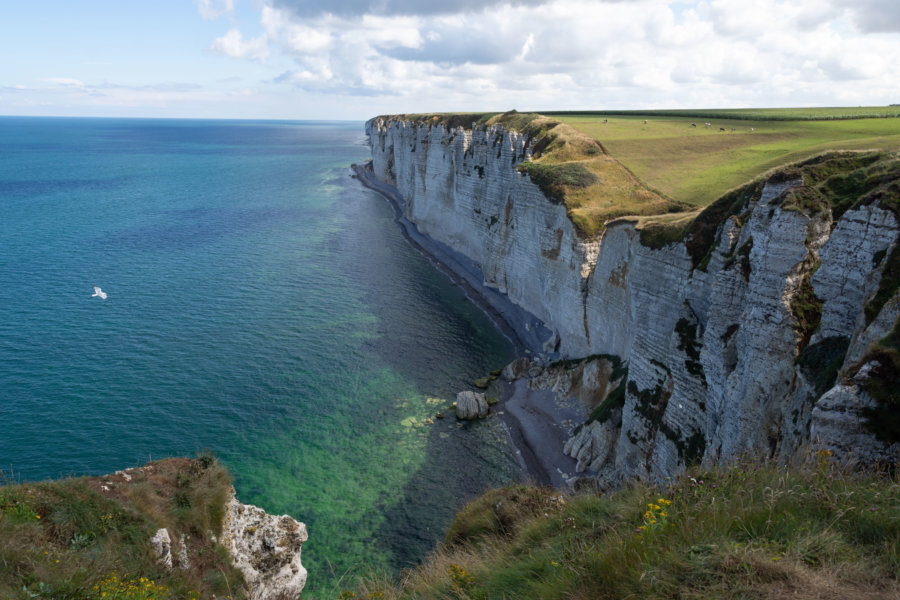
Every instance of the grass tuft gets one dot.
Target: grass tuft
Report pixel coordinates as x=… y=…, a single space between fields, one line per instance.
x=80 y=537
x=743 y=531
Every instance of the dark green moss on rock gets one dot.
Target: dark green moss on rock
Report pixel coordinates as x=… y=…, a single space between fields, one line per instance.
x=807 y=310
x=882 y=383
x=555 y=179
x=821 y=361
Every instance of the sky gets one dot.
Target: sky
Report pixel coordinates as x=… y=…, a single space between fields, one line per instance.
x=351 y=60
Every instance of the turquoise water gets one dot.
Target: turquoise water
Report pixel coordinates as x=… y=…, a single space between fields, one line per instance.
x=261 y=304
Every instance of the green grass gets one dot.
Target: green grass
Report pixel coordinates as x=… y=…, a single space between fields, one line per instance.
x=753 y=114
x=745 y=531
x=697 y=165
x=663 y=172
x=71 y=539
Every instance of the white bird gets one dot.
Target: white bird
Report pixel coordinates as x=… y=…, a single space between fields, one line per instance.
x=99 y=292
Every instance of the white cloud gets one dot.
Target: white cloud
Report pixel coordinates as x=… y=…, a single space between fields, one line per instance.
x=64 y=81
x=572 y=54
x=211 y=10
x=234 y=45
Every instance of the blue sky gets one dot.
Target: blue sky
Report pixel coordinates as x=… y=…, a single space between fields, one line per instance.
x=312 y=59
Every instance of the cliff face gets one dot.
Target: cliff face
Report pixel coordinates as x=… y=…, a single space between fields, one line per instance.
x=266 y=549
x=722 y=359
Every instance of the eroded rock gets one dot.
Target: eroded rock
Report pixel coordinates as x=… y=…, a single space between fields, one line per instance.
x=471 y=405
x=266 y=549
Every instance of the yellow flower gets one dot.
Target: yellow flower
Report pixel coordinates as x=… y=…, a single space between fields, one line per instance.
x=663 y=513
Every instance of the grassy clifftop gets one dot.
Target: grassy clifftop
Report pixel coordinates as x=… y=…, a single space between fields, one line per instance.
x=745 y=531
x=664 y=167
x=88 y=537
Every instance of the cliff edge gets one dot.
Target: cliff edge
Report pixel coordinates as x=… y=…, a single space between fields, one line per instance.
x=170 y=529
x=734 y=328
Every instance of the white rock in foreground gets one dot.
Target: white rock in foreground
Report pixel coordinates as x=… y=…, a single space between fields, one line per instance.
x=266 y=549
x=162 y=547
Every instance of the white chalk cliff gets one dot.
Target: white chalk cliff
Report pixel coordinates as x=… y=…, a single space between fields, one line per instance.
x=712 y=352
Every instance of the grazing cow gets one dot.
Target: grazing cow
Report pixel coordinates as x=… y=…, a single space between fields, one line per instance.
x=707 y=124
x=604 y=120
x=645 y=121
x=751 y=129
x=693 y=124
x=721 y=129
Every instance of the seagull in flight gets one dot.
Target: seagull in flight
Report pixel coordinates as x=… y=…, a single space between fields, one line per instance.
x=98 y=292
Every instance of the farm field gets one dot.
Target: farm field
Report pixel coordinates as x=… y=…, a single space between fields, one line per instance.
x=697 y=165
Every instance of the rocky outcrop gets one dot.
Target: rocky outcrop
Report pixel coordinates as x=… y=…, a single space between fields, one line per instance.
x=471 y=405
x=725 y=356
x=161 y=544
x=266 y=549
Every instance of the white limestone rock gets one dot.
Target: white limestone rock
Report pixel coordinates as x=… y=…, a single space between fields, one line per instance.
x=162 y=547
x=838 y=425
x=471 y=405
x=266 y=549
x=184 y=561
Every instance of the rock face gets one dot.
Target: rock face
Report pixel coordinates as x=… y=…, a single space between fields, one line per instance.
x=161 y=544
x=471 y=405
x=266 y=549
x=718 y=361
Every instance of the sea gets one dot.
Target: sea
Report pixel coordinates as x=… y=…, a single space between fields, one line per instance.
x=262 y=305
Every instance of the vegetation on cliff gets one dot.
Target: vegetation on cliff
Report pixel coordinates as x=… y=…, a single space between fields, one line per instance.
x=661 y=168
x=89 y=537
x=744 y=531
x=698 y=164
x=571 y=168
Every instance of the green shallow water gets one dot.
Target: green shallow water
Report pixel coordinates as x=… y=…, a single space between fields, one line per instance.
x=262 y=304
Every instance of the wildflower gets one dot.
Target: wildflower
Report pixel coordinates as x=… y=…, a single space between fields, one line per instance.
x=37 y=516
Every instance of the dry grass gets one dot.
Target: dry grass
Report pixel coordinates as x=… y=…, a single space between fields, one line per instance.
x=650 y=167
x=68 y=538
x=614 y=192
x=748 y=531
x=697 y=165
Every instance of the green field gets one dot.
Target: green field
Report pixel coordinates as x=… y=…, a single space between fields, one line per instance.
x=655 y=168
x=697 y=165
x=753 y=114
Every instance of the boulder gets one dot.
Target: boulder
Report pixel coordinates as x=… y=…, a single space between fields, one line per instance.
x=471 y=405
x=516 y=369
x=162 y=547
x=483 y=382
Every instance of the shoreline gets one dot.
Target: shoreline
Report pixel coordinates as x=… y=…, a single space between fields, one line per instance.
x=534 y=423
x=525 y=331
x=533 y=419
